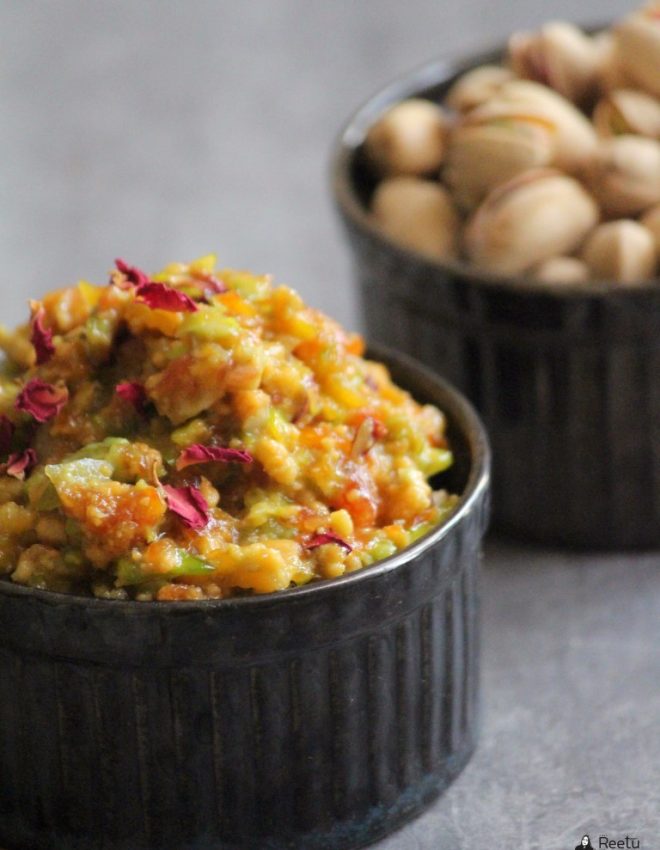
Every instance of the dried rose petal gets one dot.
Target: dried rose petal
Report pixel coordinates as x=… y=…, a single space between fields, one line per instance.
x=6 y=433
x=41 y=337
x=20 y=463
x=214 y=285
x=133 y=275
x=210 y=282
x=159 y=296
x=327 y=537
x=134 y=393
x=188 y=504
x=198 y=453
x=41 y=400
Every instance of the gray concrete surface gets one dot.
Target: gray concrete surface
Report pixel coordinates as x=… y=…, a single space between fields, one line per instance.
x=571 y=708
x=159 y=130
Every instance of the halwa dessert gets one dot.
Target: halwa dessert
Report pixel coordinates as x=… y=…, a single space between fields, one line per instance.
x=200 y=434
x=546 y=166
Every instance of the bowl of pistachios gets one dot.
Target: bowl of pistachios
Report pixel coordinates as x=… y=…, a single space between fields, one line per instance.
x=503 y=212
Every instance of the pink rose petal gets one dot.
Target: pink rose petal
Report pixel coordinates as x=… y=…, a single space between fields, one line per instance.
x=41 y=337
x=41 y=400
x=133 y=275
x=6 y=433
x=188 y=504
x=198 y=453
x=134 y=393
x=159 y=296
x=327 y=537
x=211 y=284
x=20 y=463
x=214 y=285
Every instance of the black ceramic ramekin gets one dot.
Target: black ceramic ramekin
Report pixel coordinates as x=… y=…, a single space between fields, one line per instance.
x=566 y=378
x=320 y=717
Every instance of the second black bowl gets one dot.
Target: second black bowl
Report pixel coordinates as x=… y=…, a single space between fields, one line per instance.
x=567 y=378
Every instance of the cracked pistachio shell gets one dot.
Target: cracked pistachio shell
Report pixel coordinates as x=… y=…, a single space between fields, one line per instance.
x=562 y=270
x=534 y=217
x=418 y=214
x=638 y=48
x=624 y=175
x=523 y=100
x=621 y=250
x=477 y=86
x=483 y=156
x=408 y=138
x=626 y=111
x=651 y=221
x=559 y=55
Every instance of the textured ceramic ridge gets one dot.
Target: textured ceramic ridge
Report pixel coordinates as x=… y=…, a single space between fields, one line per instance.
x=567 y=379
x=319 y=718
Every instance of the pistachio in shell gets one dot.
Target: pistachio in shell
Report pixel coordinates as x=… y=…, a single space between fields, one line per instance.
x=638 y=47
x=536 y=216
x=562 y=270
x=418 y=214
x=477 y=86
x=575 y=139
x=482 y=156
x=624 y=175
x=620 y=250
x=627 y=111
x=409 y=138
x=560 y=56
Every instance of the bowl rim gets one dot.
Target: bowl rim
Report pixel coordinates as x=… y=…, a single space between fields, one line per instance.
x=414 y=83
x=460 y=413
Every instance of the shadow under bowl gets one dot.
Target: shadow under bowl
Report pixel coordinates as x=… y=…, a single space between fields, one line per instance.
x=320 y=717
x=566 y=377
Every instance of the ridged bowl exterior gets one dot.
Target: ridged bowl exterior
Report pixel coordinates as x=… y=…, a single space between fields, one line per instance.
x=566 y=378
x=316 y=718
